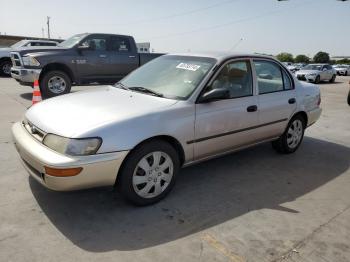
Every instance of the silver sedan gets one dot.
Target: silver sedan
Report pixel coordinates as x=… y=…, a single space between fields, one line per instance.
x=175 y=111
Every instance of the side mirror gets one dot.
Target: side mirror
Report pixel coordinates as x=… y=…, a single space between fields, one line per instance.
x=215 y=94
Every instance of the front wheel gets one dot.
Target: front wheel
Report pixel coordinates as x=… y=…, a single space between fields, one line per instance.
x=149 y=173
x=292 y=137
x=55 y=83
x=5 y=68
x=317 y=80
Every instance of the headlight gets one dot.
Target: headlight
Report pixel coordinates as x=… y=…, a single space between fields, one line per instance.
x=73 y=146
x=313 y=74
x=30 y=61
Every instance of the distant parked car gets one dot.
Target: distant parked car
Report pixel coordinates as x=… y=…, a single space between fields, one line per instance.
x=5 y=59
x=175 y=111
x=316 y=73
x=342 y=69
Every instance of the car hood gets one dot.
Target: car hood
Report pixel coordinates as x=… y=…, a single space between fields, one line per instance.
x=38 y=49
x=73 y=115
x=305 y=72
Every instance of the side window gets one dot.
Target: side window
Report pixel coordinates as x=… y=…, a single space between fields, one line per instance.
x=96 y=43
x=237 y=78
x=35 y=44
x=121 y=44
x=269 y=76
x=286 y=81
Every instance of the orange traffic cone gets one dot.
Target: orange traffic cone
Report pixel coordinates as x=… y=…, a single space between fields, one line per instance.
x=36 y=93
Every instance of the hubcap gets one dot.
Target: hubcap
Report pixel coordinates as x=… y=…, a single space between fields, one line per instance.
x=153 y=174
x=57 y=85
x=6 y=68
x=294 y=134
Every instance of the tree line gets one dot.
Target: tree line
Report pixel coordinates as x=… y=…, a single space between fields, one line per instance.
x=320 y=57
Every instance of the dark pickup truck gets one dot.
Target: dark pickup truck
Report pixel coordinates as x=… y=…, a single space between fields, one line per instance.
x=80 y=60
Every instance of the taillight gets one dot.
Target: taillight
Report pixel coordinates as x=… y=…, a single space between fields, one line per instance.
x=319 y=100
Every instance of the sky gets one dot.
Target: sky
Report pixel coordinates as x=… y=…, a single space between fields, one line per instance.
x=262 y=26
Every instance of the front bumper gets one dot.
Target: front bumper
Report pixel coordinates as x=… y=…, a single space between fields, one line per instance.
x=340 y=73
x=24 y=75
x=304 y=77
x=98 y=170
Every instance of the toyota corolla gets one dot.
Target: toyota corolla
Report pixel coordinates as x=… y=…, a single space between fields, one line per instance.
x=175 y=111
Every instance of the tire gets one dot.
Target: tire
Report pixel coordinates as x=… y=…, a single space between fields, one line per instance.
x=55 y=83
x=140 y=187
x=288 y=144
x=346 y=73
x=332 y=79
x=317 y=80
x=5 y=68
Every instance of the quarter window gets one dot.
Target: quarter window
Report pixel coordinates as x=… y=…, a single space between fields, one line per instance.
x=237 y=78
x=269 y=77
x=286 y=81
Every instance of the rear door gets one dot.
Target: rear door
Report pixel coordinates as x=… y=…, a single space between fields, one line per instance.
x=124 y=57
x=277 y=97
x=223 y=125
x=93 y=63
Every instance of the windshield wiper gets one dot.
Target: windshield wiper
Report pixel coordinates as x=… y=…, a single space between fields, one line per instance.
x=145 y=90
x=120 y=85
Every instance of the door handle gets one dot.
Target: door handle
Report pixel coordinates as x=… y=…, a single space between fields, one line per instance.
x=103 y=56
x=252 y=108
x=292 y=101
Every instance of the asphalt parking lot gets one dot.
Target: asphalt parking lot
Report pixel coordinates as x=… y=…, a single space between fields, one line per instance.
x=254 y=205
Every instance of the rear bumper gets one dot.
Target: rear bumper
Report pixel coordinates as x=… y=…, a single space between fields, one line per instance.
x=98 y=170
x=313 y=116
x=26 y=76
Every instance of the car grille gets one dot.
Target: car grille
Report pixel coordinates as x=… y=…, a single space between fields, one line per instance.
x=34 y=131
x=16 y=60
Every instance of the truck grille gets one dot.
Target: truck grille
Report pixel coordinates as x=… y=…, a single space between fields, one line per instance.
x=16 y=59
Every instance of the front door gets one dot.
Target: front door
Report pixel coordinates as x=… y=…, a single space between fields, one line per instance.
x=93 y=63
x=226 y=124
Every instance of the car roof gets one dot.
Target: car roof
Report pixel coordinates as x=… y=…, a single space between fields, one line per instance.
x=40 y=41
x=220 y=56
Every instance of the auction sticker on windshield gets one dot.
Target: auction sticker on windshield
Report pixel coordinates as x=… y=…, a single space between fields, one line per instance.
x=190 y=67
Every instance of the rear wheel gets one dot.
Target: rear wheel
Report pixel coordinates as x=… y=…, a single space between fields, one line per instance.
x=292 y=137
x=55 y=83
x=332 y=79
x=149 y=173
x=5 y=68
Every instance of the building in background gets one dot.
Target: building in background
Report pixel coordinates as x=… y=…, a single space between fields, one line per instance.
x=8 y=40
x=144 y=47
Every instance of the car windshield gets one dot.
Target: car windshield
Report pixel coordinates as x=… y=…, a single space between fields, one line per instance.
x=313 y=67
x=19 y=44
x=72 y=41
x=169 y=76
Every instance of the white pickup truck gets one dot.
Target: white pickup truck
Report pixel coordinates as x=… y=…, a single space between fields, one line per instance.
x=5 y=60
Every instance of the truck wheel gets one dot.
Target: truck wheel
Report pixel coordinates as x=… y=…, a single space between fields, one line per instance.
x=55 y=83
x=5 y=68
x=332 y=79
x=148 y=173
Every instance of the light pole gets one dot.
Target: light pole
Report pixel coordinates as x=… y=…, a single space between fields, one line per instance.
x=48 y=27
